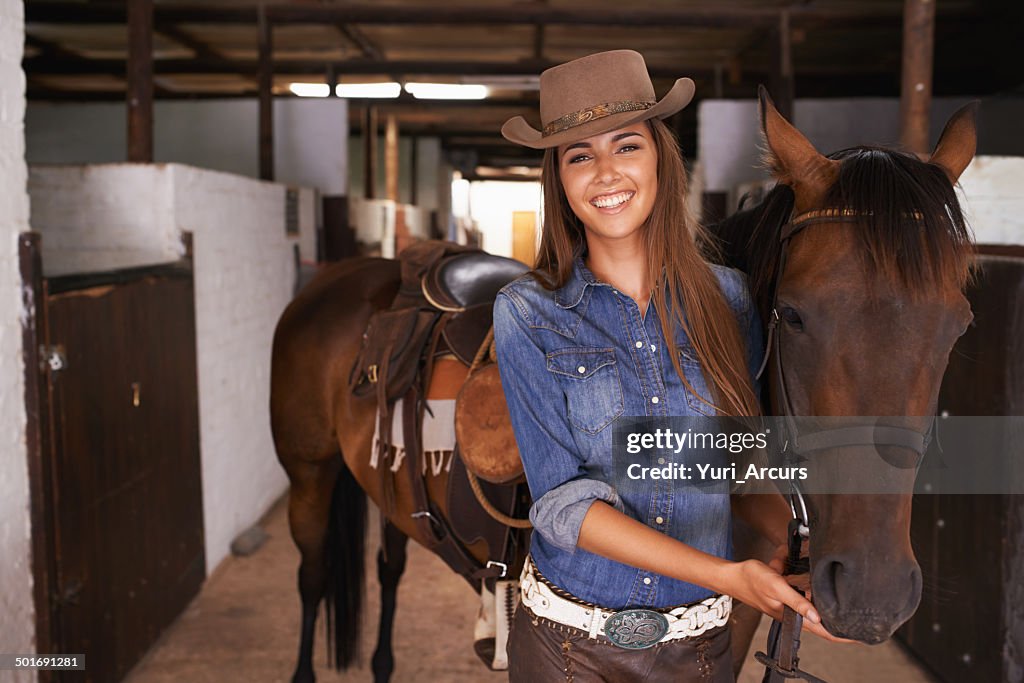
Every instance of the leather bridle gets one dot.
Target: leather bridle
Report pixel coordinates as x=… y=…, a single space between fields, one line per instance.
x=781 y=663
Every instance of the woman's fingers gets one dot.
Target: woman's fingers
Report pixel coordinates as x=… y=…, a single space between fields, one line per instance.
x=819 y=630
x=798 y=604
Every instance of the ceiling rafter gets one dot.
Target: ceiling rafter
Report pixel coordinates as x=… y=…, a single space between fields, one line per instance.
x=362 y=66
x=700 y=17
x=356 y=36
x=202 y=49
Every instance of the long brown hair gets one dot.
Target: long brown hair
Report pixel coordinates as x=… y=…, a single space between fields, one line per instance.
x=685 y=284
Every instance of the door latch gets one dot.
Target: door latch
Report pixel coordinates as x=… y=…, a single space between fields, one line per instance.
x=53 y=358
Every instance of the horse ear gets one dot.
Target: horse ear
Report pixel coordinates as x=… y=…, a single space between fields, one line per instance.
x=793 y=160
x=958 y=142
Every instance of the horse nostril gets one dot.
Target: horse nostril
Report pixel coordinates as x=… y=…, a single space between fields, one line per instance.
x=914 y=598
x=825 y=585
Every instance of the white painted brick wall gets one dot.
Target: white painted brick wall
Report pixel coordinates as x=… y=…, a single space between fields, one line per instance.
x=244 y=277
x=17 y=616
x=310 y=136
x=729 y=140
x=993 y=188
x=88 y=226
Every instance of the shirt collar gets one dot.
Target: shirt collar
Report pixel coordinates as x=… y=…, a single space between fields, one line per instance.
x=579 y=279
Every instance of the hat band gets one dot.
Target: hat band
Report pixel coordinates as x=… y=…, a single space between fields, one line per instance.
x=599 y=111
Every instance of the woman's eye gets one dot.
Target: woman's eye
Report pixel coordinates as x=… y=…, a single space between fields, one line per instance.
x=578 y=158
x=629 y=148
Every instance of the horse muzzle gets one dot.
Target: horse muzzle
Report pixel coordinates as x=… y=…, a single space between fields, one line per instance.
x=865 y=603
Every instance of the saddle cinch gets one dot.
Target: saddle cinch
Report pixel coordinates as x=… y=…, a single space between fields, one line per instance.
x=444 y=306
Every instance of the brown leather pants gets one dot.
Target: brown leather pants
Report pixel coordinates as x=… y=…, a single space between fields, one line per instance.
x=543 y=651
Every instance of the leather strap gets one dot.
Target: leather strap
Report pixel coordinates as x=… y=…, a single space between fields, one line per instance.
x=433 y=526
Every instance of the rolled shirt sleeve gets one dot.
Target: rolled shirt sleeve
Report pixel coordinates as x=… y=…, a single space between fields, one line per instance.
x=560 y=485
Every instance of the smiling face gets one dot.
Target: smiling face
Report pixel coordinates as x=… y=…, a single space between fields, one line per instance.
x=611 y=181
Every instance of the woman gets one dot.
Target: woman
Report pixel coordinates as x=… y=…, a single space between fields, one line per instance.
x=582 y=341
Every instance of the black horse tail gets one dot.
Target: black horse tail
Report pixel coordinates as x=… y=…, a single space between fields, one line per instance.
x=345 y=550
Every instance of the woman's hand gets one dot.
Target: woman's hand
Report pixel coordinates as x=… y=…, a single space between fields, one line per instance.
x=760 y=586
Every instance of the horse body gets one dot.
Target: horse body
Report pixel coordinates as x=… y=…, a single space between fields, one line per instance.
x=323 y=437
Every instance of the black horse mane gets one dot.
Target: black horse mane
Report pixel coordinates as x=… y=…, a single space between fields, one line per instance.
x=749 y=240
x=912 y=228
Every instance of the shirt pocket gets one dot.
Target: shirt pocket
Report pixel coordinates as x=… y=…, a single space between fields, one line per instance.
x=695 y=376
x=590 y=379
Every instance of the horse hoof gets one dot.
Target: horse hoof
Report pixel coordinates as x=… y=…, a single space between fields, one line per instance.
x=484 y=649
x=303 y=675
x=383 y=667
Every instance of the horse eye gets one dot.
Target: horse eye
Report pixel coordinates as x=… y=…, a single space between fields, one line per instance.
x=792 y=318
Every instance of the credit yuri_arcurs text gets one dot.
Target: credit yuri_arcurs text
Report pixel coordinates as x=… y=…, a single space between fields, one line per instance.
x=831 y=455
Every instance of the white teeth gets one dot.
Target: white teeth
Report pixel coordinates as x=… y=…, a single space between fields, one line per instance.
x=611 y=201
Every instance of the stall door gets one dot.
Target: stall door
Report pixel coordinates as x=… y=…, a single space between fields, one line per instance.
x=970 y=546
x=126 y=481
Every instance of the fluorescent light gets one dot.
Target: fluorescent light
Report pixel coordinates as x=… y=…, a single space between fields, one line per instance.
x=446 y=91
x=506 y=82
x=381 y=90
x=310 y=89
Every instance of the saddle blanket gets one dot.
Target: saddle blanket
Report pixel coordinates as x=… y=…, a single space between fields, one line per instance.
x=438 y=438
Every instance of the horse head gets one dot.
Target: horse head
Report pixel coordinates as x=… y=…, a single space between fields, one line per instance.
x=867 y=295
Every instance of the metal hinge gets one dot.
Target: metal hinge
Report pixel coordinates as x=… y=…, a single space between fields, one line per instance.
x=53 y=358
x=70 y=596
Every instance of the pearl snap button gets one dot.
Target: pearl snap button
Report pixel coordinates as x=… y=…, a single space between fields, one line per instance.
x=659 y=520
x=654 y=399
x=661 y=461
x=653 y=347
x=581 y=369
x=647 y=580
x=639 y=345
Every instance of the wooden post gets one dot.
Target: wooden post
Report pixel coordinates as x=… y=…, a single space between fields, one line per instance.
x=781 y=82
x=414 y=176
x=916 y=86
x=331 y=77
x=140 y=81
x=370 y=152
x=266 y=97
x=391 y=157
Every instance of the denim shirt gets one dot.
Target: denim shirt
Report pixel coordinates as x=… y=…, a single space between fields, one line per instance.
x=571 y=362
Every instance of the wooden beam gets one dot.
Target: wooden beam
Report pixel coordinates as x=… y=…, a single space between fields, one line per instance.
x=370 y=152
x=361 y=41
x=266 y=98
x=308 y=67
x=916 y=81
x=199 y=47
x=708 y=16
x=140 y=81
x=414 y=179
x=50 y=48
x=391 y=157
x=781 y=81
x=538 y=42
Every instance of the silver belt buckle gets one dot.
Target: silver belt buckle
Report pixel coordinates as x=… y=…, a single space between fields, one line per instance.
x=636 y=629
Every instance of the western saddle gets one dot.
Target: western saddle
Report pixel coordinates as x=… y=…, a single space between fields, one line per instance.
x=444 y=305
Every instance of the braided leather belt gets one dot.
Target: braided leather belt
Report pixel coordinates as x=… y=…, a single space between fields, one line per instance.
x=633 y=629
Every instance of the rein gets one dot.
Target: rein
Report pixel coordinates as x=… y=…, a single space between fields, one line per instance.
x=781 y=662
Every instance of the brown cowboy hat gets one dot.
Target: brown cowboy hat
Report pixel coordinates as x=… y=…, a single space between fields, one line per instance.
x=593 y=95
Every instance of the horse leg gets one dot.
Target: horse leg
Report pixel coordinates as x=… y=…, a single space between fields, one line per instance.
x=390 y=566
x=327 y=516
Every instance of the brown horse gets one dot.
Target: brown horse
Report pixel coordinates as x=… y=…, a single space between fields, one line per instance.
x=870 y=311
x=323 y=436
x=868 y=307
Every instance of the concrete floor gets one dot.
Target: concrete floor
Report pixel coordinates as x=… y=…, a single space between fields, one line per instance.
x=244 y=625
